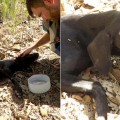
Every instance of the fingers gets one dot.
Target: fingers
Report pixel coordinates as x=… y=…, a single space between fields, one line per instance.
x=22 y=54
x=19 y=55
x=25 y=52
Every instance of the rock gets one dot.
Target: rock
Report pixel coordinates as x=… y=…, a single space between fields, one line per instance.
x=43 y=111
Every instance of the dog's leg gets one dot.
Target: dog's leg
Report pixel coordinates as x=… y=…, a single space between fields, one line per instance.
x=5 y=74
x=71 y=83
x=17 y=87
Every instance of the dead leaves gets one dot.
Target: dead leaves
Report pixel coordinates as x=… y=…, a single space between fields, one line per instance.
x=116 y=74
x=77 y=109
x=4 y=117
x=87 y=6
x=113 y=94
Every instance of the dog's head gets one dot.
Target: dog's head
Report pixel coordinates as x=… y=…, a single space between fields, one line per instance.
x=23 y=62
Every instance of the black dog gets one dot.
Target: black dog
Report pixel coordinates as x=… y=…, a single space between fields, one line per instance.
x=9 y=67
x=88 y=40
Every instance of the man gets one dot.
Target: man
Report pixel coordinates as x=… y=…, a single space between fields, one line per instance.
x=49 y=10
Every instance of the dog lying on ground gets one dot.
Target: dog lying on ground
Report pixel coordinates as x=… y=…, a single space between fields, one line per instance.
x=9 y=67
x=88 y=40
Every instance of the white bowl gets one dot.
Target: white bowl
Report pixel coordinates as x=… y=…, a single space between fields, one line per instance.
x=39 y=83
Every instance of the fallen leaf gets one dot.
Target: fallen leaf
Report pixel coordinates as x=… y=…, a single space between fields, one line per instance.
x=87 y=99
x=2 y=55
x=116 y=74
x=16 y=47
x=77 y=97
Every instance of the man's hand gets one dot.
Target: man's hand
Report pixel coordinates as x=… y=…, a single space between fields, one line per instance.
x=25 y=52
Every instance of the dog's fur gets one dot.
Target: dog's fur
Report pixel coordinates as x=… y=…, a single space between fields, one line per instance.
x=88 y=40
x=9 y=67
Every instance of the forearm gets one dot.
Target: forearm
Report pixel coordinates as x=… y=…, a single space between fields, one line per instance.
x=43 y=40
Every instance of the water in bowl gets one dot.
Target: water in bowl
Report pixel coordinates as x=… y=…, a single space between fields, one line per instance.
x=38 y=82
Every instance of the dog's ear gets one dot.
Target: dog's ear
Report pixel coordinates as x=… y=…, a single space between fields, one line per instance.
x=100 y=52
